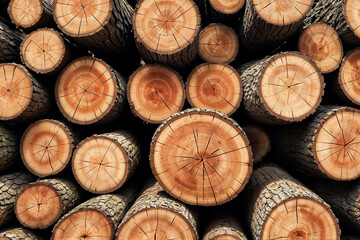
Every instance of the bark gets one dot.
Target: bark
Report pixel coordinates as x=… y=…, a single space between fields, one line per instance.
x=19 y=234
x=9 y=147
x=225 y=226
x=10 y=40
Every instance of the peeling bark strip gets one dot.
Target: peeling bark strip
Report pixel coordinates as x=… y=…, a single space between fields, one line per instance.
x=10 y=40
x=10 y=186
x=226 y=228
x=269 y=22
x=90 y=91
x=9 y=147
x=285 y=88
x=104 y=26
x=167 y=31
x=96 y=218
x=326 y=146
x=259 y=141
x=323 y=45
x=40 y=204
x=102 y=163
x=201 y=157
x=155 y=215
x=46 y=147
x=342 y=15
x=218 y=43
x=226 y=10
x=280 y=207
x=344 y=199
x=22 y=97
x=45 y=51
x=19 y=234
x=214 y=86
x=155 y=92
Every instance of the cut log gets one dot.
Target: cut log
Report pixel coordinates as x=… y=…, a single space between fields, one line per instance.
x=326 y=146
x=103 y=26
x=30 y=14
x=90 y=91
x=259 y=141
x=218 y=43
x=22 y=97
x=226 y=11
x=10 y=40
x=10 y=186
x=45 y=51
x=339 y=14
x=9 y=147
x=201 y=157
x=280 y=207
x=323 y=45
x=285 y=88
x=225 y=228
x=155 y=215
x=266 y=23
x=344 y=199
x=18 y=234
x=40 y=204
x=155 y=92
x=214 y=86
x=46 y=147
x=167 y=31
x=102 y=163
x=96 y=218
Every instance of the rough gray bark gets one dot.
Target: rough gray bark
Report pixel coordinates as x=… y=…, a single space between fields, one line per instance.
x=10 y=40
x=9 y=147
x=225 y=227
x=19 y=234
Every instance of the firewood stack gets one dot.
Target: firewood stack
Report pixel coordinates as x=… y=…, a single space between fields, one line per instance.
x=130 y=121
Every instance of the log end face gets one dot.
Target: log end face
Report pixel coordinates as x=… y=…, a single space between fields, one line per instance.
x=25 y=13
x=352 y=13
x=227 y=6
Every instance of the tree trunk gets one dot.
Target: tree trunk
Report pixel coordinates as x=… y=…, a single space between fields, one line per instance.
x=46 y=147
x=201 y=157
x=103 y=163
x=19 y=234
x=214 y=86
x=226 y=11
x=218 y=43
x=226 y=228
x=155 y=92
x=339 y=14
x=261 y=31
x=167 y=31
x=96 y=218
x=90 y=91
x=10 y=186
x=10 y=40
x=9 y=147
x=285 y=88
x=155 y=215
x=344 y=199
x=325 y=146
x=259 y=141
x=40 y=204
x=22 y=97
x=323 y=45
x=280 y=207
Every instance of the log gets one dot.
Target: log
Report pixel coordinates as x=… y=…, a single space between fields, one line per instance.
x=10 y=186
x=10 y=40
x=281 y=89
x=225 y=228
x=40 y=204
x=22 y=97
x=267 y=23
x=167 y=31
x=323 y=45
x=102 y=26
x=90 y=91
x=344 y=199
x=155 y=215
x=46 y=147
x=18 y=233
x=155 y=92
x=226 y=11
x=259 y=141
x=339 y=14
x=280 y=207
x=201 y=157
x=44 y=51
x=214 y=86
x=218 y=43
x=325 y=146
x=9 y=147
x=350 y=237
x=102 y=163
x=96 y=218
